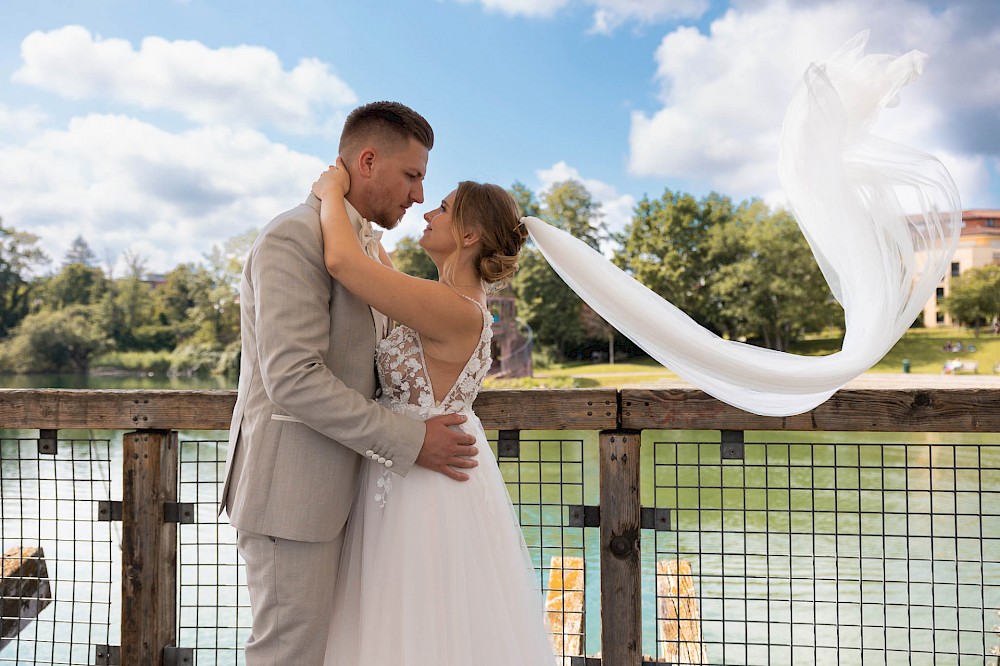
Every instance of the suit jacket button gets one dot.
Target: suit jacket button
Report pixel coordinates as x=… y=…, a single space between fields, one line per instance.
x=370 y=453
x=381 y=459
x=388 y=463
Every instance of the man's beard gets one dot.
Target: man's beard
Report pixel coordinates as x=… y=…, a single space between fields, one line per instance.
x=383 y=202
x=380 y=220
x=387 y=221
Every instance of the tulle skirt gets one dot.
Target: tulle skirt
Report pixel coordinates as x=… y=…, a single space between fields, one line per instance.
x=435 y=572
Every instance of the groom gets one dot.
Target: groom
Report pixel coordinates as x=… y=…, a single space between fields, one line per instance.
x=305 y=419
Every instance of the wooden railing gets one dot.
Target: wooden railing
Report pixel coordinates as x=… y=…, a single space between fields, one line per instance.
x=150 y=459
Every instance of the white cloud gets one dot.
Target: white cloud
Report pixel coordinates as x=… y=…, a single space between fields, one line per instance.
x=19 y=122
x=616 y=207
x=724 y=92
x=530 y=8
x=124 y=184
x=608 y=14
x=243 y=85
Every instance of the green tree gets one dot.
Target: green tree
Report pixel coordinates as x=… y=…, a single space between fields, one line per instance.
x=525 y=198
x=570 y=206
x=666 y=247
x=79 y=252
x=547 y=305
x=766 y=284
x=218 y=310
x=19 y=254
x=411 y=259
x=55 y=341
x=176 y=302
x=975 y=296
x=128 y=311
x=74 y=284
x=552 y=310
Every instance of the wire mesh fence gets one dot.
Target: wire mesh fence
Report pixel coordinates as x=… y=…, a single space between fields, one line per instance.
x=61 y=563
x=811 y=549
x=548 y=483
x=820 y=552
x=213 y=605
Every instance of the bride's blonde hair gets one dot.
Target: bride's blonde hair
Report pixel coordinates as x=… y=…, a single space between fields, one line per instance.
x=492 y=211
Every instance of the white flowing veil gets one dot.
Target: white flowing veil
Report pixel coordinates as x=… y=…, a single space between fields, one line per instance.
x=844 y=187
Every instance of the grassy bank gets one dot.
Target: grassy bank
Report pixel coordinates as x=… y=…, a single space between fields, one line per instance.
x=922 y=347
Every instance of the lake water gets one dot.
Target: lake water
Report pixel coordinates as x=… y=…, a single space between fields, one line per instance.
x=814 y=548
x=115 y=382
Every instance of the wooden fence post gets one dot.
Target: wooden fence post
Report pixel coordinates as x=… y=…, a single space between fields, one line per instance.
x=621 y=593
x=149 y=546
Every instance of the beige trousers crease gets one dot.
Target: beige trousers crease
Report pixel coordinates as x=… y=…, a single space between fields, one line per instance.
x=291 y=586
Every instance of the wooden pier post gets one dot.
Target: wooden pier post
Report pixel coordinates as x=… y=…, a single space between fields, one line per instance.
x=564 y=605
x=621 y=587
x=24 y=590
x=678 y=614
x=149 y=546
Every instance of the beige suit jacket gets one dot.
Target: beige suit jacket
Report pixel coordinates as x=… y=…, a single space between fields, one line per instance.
x=305 y=408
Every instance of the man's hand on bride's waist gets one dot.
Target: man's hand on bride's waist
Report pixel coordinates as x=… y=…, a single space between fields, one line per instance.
x=446 y=448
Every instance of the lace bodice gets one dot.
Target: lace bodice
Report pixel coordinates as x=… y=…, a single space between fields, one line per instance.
x=406 y=384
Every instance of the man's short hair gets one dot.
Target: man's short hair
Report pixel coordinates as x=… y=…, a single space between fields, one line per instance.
x=384 y=122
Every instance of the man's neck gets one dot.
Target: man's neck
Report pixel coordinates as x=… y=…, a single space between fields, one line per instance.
x=356 y=205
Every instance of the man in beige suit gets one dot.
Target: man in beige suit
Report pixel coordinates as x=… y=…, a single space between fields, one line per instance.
x=305 y=413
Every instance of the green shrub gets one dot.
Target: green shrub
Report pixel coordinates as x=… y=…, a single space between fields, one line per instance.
x=194 y=361
x=546 y=356
x=229 y=361
x=157 y=362
x=54 y=341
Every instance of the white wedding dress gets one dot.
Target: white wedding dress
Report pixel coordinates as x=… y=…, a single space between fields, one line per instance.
x=435 y=572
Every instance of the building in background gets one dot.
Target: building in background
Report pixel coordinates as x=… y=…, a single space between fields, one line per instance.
x=512 y=338
x=979 y=245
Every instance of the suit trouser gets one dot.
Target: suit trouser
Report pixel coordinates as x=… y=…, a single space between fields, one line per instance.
x=291 y=586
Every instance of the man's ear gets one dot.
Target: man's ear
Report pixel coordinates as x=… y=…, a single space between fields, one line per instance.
x=366 y=162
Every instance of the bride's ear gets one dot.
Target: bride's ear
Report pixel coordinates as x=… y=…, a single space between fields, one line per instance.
x=470 y=238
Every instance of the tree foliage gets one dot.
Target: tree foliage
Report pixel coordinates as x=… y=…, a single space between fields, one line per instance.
x=55 y=341
x=75 y=284
x=666 y=247
x=527 y=203
x=545 y=302
x=19 y=255
x=766 y=284
x=79 y=252
x=975 y=296
x=570 y=206
x=411 y=259
x=742 y=271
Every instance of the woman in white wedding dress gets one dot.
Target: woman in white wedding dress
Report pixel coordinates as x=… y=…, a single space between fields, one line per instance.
x=434 y=572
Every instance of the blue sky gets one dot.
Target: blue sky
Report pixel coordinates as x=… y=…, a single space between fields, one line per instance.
x=167 y=126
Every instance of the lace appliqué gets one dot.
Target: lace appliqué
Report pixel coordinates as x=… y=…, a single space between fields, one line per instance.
x=406 y=385
x=384 y=484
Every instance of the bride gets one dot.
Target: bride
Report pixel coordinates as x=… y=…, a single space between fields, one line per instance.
x=434 y=572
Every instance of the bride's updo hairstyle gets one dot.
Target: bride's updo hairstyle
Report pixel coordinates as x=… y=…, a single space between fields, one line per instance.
x=492 y=211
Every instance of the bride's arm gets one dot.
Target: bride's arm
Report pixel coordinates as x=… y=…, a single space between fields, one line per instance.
x=427 y=306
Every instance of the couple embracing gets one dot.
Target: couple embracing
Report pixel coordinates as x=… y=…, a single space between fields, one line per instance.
x=370 y=511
